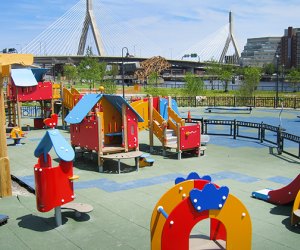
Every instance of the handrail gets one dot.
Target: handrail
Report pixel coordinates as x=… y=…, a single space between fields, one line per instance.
x=158 y=125
x=174 y=119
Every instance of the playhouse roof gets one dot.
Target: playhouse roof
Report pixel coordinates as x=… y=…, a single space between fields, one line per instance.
x=88 y=101
x=39 y=73
x=23 y=77
x=54 y=139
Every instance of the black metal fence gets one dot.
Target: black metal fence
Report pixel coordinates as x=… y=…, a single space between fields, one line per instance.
x=262 y=132
x=235 y=101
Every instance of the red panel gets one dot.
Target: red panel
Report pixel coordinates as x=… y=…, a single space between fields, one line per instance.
x=156 y=103
x=132 y=129
x=285 y=194
x=38 y=123
x=184 y=216
x=190 y=137
x=217 y=230
x=43 y=91
x=85 y=134
x=52 y=184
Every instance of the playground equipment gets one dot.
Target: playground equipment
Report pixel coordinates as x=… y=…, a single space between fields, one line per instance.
x=3 y=219
x=192 y=200
x=6 y=60
x=106 y=124
x=16 y=134
x=27 y=85
x=54 y=185
x=279 y=196
x=145 y=161
x=295 y=216
x=161 y=116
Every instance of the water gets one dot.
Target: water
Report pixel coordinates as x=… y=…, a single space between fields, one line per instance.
x=218 y=85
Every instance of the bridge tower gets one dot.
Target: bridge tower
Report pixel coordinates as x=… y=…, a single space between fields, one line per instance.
x=90 y=21
x=229 y=39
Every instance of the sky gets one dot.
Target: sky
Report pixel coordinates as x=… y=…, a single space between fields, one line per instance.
x=168 y=28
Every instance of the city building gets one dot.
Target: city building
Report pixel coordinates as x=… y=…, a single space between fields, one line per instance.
x=260 y=51
x=290 y=48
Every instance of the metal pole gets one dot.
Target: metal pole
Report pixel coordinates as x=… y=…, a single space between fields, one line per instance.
x=277 y=81
x=123 y=69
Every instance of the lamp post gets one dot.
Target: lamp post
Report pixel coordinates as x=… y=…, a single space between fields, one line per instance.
x=282 y=77
x=277 y=80
x=127 y=54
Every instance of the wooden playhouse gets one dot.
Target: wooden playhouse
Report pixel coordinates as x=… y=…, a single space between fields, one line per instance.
x=103 y=123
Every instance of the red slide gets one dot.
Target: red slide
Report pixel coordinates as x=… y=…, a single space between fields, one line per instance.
x=285 y=194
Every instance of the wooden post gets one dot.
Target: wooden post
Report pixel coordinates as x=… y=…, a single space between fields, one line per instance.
x=100 y=141
x=5 y=61
x=150 y=106
x=5 y=179
x=178 y=141
x=125 y=134
x=19 y=106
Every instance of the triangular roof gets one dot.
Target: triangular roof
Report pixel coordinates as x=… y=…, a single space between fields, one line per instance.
x=54 y=139
x=23 y=77
x=88 y=101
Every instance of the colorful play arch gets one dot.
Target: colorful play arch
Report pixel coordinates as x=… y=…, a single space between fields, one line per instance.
x=192 y=200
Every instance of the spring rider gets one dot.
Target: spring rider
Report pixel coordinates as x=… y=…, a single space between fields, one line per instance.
x=54 y=185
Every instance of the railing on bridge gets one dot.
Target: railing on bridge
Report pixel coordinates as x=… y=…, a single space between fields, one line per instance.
x=274 y=136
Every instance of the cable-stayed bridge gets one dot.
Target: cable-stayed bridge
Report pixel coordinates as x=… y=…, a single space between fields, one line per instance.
x=94 y=24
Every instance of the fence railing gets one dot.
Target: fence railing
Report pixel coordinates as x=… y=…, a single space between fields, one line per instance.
x=31 y=111
x=235 y=101
x=262 y=132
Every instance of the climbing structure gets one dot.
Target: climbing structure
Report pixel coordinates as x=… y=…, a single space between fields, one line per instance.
x=161 y=116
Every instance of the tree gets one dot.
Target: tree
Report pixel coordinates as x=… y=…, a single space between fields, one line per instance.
x=269 y=69
x=71 y=73
x=293 y=77
x=151 y=88
x=194 y=85
x=91 y=70
x=226 y=76
x=213 y=72
x=250 y=82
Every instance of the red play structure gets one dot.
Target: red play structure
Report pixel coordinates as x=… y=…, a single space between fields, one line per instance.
x=161 y=116
x=106 y=124
x=27 y=85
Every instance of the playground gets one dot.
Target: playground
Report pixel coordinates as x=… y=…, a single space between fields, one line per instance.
x=123 y=203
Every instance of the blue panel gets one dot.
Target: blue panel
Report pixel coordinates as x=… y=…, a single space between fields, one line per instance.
x=209 y=197
x=192 y=176
x=233 y=176
x=82 y=108
x=62 y=148
x=163 y=108
x=23 y=77
x=39 y=73
x=261 y=194
x=175 y=107
x=280 y=180
x=112 y=186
